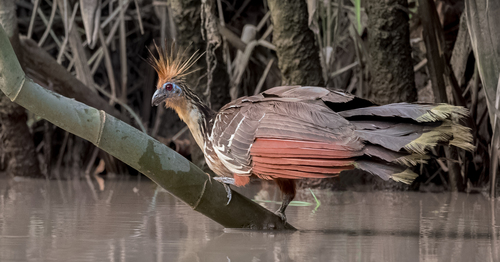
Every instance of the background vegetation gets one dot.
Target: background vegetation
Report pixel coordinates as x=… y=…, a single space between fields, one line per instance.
x=95 y=51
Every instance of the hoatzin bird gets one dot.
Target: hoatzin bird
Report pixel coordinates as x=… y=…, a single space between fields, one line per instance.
x=294 y=132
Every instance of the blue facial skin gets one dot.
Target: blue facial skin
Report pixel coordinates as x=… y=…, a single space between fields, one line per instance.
x=168 y=90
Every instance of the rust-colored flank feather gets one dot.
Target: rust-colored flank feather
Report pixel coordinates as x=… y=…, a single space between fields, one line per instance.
x=172 y=65
x=294 y=159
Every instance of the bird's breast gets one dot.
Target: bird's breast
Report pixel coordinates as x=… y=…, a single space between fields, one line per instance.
x=213 y=160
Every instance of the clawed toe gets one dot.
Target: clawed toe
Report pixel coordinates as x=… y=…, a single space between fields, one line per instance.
x=229 y=193
x=226 y=181
x=281 y=215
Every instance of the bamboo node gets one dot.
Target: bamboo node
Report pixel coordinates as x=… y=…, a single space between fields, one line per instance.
x=201 y=195
x=102 y=122
x=18 y=89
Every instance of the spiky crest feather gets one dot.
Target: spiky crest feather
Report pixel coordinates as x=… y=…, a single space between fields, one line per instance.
x=171 y=65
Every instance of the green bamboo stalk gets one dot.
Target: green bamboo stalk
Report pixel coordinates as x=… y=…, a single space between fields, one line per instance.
x=142 y=152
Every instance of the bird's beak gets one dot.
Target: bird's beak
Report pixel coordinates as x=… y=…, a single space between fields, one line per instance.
x=159 y=96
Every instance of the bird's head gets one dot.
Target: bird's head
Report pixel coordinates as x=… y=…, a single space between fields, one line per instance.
x=172 y=68
x=169 y=90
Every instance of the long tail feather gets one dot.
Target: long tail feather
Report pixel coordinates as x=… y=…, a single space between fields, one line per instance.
x=418 y=112
x=386 y=172
x=390 y=156
x=394 y=145
x=429 y=125
x=448 y=132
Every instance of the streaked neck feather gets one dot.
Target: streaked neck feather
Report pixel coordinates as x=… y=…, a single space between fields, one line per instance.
x=195 y=117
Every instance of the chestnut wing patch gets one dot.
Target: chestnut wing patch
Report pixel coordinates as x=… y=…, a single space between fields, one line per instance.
x=293 y=159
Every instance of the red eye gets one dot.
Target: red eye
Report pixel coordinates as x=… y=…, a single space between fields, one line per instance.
x=168 y=87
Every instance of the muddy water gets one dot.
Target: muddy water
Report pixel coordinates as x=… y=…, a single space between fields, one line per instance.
x=134 y=221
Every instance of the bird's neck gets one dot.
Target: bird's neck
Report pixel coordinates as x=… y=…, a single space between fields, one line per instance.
x=196 y=115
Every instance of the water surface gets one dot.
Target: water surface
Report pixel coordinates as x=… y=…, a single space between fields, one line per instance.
x=133 y=220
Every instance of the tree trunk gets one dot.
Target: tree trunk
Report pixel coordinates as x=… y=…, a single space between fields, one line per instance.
x=16 y=140
x=392 y=77
x=187 y=15
x=217 y=77
x=297 y=50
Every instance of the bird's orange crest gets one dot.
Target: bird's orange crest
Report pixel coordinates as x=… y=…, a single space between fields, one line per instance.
x=171 y=65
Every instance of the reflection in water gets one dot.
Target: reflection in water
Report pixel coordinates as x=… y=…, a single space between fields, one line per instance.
x=132 y=221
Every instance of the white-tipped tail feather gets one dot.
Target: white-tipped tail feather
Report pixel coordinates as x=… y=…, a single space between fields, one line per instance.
x=442 y=112
x=407 y=176
x=386 y=171
x=406 y=143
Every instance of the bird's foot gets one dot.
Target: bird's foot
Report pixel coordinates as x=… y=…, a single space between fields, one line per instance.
x=226 y=181
x=281 y=215
x=229 y=193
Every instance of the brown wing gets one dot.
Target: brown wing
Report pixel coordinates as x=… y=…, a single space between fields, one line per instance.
x=295 y=132
x=286 y=132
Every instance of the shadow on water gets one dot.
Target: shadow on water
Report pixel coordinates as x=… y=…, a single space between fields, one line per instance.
x=134 y=220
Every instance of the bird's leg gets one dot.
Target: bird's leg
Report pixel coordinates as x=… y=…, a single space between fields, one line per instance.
x=286 y=199
x=226 y=181
x=287 y=187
